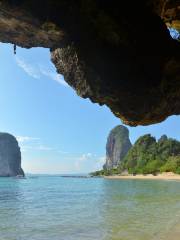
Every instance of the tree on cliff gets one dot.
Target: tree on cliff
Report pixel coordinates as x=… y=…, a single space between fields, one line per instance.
x=146 y=156
x=149 y=156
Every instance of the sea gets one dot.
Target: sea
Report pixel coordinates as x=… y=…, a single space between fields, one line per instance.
x=53 y=207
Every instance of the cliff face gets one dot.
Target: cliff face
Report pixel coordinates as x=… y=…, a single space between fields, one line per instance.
x=10 y=156
x=118 y=144
x=109 y=51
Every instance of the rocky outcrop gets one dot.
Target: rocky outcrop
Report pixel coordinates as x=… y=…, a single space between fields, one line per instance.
x=163 y=138
x=148 y=156
x=112 y=52
x=10 y=156
x=22 y=29
x=118 y=144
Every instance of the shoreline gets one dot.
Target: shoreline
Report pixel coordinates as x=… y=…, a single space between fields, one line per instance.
x=162 y=176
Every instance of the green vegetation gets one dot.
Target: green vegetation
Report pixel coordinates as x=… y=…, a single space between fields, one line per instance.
x=148 y=156
x=172 y=165
x=105 y=172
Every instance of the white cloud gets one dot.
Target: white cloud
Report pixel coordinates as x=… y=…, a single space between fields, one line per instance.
x=22 y=139
x=99 y=163
x=89 y=162
x=32 y=143
x=38 y=147
x=102 y=160
x=39 y=71
x=61 y=151
x=83 y=159
x=44 y=148
x=45 y=165
x=28 y=68
x=54 y=76
x=86 y=162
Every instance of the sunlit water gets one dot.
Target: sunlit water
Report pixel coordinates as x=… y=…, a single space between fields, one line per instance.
x=56 y=208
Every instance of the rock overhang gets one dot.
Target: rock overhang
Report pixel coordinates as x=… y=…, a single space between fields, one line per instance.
x=120 y=55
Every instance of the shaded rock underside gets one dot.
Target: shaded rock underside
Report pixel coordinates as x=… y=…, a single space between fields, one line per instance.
x=117 y=53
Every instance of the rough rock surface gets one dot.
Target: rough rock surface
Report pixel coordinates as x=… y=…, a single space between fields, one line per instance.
x=10 y=156
x=118 y=144
x=117 y=53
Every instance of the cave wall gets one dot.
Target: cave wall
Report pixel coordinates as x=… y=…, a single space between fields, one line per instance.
x=115 y=53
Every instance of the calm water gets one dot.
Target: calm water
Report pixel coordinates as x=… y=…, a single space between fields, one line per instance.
x=56 y=208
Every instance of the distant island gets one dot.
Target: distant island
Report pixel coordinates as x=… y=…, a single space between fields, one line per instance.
x=10 y=156
x=146 y=156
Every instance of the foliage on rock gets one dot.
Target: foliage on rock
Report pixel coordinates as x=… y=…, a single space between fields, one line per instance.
x=148 y=156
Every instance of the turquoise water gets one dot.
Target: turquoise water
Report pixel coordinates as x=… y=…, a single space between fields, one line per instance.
x=56 y=208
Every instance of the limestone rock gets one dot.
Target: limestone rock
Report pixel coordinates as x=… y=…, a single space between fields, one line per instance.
x=118 y=144
x=116 y=53
x=163 y=138
x=10 y=156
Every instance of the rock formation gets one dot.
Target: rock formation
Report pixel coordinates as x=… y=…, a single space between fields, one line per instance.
x=117 y=53
x=163 y=138
x=150 y=156
x=10 y=156
x=118 y=144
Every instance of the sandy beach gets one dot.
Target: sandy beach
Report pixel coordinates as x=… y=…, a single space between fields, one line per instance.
x=163 y=176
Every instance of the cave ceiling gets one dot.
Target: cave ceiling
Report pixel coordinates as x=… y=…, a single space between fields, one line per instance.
x=116 y=53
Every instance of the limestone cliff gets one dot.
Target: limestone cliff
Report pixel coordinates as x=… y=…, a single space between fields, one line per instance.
x=10 y=156
x=118 y=144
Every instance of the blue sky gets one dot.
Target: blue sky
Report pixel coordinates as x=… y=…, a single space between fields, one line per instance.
x=58 y=131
